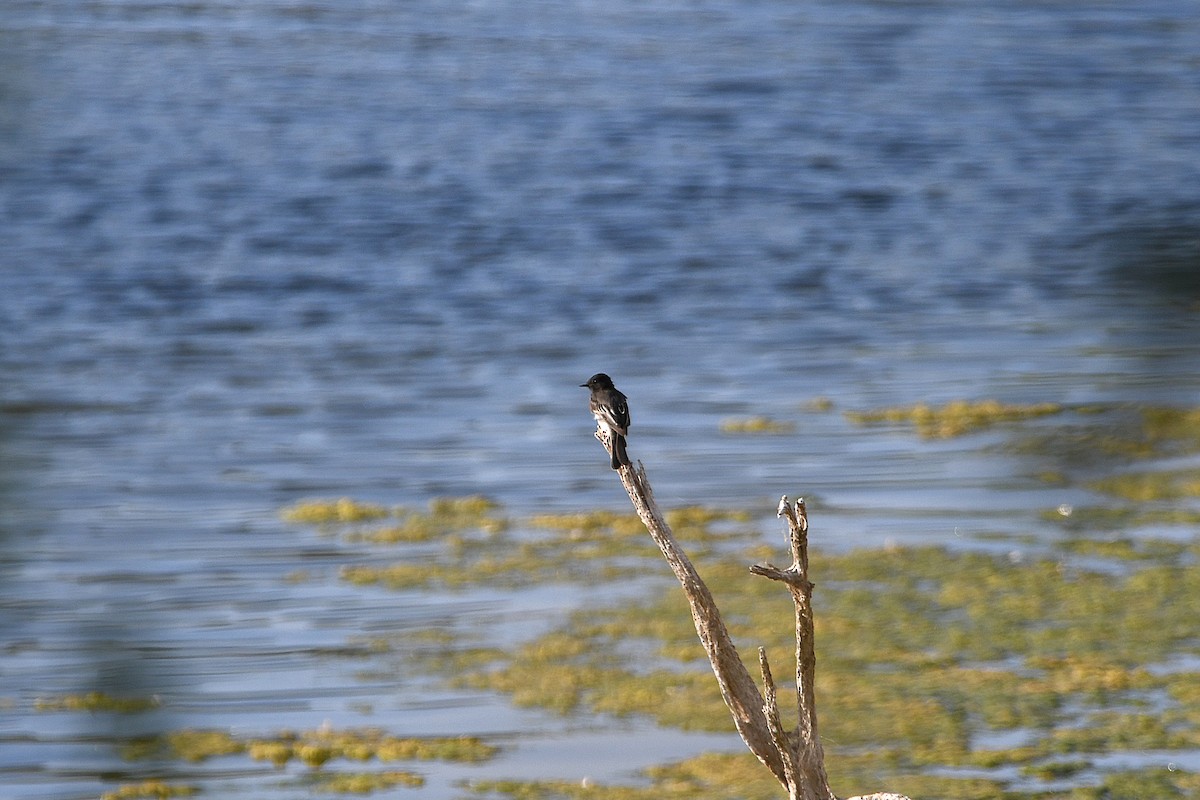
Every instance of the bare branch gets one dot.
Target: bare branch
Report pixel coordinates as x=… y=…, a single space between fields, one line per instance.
x=795 y=758
x=810 y=756
x=740 y=693
x=785 y=742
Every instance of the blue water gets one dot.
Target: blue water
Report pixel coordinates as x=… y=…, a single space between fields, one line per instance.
x=252 y=252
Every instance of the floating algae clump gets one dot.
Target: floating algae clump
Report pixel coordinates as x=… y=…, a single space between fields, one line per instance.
x=97 y=701
x=149 y=790
x=313 y=747
x=316 y=747
x=365 y=782
x=756 y=424
x=445 y=515
x=321 y=512
x=955 y=418
x=1145 y=487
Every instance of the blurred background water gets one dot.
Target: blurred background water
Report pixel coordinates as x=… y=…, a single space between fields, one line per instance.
x=252 y=252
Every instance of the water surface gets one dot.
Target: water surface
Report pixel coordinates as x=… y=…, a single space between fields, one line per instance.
x=256 y=252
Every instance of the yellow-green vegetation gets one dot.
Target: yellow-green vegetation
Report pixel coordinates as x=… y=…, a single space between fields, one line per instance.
x=590 y=524
x=447 y=516
x=1178 y=425
x=1123 y=518
x=1126 y=548
x=323 y=512
x=711 y=776
x=365 y=782
x=756 y=424
x=955 y=418
x=719 y=776
x=1113 y=434
x=97 y=702
x=920 y=650
x=149 y=790
x=316 y=747
x=1145 y=487
x=1110 y=450
x=1098 y=438
x=313 y=748
x=699 y=524
x=471 y=544
x=742 y=777
x=186 y=744
x=472 y=506
x=819 y=404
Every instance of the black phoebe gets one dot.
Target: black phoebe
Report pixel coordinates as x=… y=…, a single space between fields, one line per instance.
x=612 y=412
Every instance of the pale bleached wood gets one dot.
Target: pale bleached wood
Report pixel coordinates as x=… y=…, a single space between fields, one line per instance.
x=738 y=689
x=795 y=757
x=808 y=755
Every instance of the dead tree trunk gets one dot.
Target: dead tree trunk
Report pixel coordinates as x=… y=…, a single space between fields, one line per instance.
x=801 y=748
x=795 y=757
x=738 y=689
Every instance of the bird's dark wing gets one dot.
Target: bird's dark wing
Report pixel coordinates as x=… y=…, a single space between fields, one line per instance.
x=616 y=414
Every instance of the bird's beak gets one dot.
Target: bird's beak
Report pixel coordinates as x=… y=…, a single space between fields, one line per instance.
x=584 y=385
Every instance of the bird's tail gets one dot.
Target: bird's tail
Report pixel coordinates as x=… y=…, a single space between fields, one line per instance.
x=619 y=456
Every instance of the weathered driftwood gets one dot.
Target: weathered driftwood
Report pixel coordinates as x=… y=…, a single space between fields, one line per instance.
x=802 y=747
x=795 y=757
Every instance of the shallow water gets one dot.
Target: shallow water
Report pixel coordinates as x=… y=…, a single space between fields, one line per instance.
x=255 y=252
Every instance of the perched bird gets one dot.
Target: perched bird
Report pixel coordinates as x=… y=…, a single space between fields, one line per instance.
x=611 y=410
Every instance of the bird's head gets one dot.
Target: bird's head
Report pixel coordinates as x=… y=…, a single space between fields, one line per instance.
x=598 y=381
